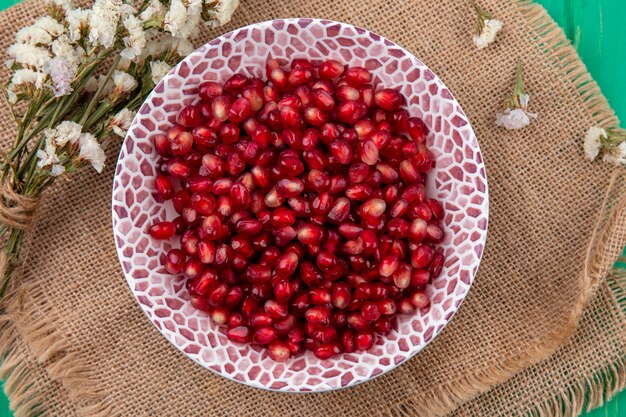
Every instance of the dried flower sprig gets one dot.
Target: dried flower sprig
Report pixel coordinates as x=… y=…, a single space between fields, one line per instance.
x=487 y=27
x=612 y=143
x=515 y=114
x=65 y=108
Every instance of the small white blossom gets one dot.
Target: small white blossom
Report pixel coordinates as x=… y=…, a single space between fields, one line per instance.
x=223 y=11
x=47 y=156
x=50 y=25
x=121 y=122
x=93 y=83
x=194 y=17
x=91 y=151
x=61 y=74
x=57 y=170
x=135 y=42
x=182 y=46
x=155 y=10
x=11 y=95
x=64 y=4
x=158 y=70
x=176 y=18
x=524 y=100
x=103 y=23
x=488 y=33
x=616 y=155
x=29 y=55
x=78 y=22
x=593 y=143
x=124 y=82
x=62 y=47
x=514 y=118
x=33 y=35
x=26 y=76
x=65 y=132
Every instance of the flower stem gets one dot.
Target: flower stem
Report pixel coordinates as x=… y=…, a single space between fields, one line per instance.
x=94 y=99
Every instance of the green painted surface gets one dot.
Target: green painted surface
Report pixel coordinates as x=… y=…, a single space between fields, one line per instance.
x=596 y=27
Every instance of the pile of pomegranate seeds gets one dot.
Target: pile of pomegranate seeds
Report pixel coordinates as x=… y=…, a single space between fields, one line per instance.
x=304 y=222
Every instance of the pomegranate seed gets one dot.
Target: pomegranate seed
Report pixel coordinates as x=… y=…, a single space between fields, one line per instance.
x=357 y=322
x=370 y=311
x=181 y=144
x=240 y=334
x=278 y=351
x=405 y=306
x=319 y=315
x=202 y=283
x=417 y=130
x=220 y=107
x=284 y=235
x=206 y=252
x=388 y=99
x=175 y=261
x=276 y=310
x=436 y=264
x=419 y=299
x=240 y=196
x=209 y=90
x=327 y=350
x=319 y=296
x=249 y=306
x=436 y=209
x=264 y=335
x=289 y=187
x=162 y=230
x=358 y=172
x=368 y=152
x=217 y=295
x=399 y=209
x=364 y=340
x=219 y=315
x=310 y=275
x=340 y=210
x=388 y=265
x=235 y=83
x=178 y=169
x=434 y=233
x=357 y=76
x=422 y=256
x=408 y=172
x=189 y=116
x=283 y=290
x=299 y=76
x=347 y=341
x=213 y=165
x=233 y=297
x=419 y=277
x=387 y=307
x=286 y=264
x=417 y=230
x=286 y=325
x=330 y=69
x=350 y=111
x=310 y=234
x=258 y=274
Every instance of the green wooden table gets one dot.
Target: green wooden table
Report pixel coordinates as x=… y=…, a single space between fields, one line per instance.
x=597 y=29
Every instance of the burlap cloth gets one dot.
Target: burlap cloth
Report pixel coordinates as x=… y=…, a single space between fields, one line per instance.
x=74 y=342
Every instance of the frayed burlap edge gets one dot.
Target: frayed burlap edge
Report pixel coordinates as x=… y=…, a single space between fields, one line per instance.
x=595 y=390
x=53 y=350
x=26 y=320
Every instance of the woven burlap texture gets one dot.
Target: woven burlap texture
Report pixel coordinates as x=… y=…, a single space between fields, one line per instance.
x=76 y=343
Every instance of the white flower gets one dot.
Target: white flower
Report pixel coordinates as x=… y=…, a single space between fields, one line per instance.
x=29 y=55
x=176 y=18
x=26 y=76
x=93 y=83
x=524 y=100
x=616 y=155
x=488 y=33
x=514 y=119
x=103 y=23
x=78 y=22
x=124 y=82
x=11 y=95
x=194 y=16
x=47 y=156
x=50 y=25
x=593 y=143
x=91 y=151
x=62 y=47
x=135 y=42
x=57 y=170
x=121 y=122
x=182 y=46
x=33 y=35
x=155 y=10
x=158 y=70
x=223 y=11
x=65 y=132
x=61 y=74
x=64 y=4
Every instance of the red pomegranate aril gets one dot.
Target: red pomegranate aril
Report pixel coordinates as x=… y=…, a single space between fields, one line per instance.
x=276 y=310
x=421 y=256
x=327 y=350
x=175 y=261
x=286 y=265
x=368 y=152
x=200 y=303
x=300 y=76
x=387 y=306
x=436 y=265
x=414 y=193
x=235 y=83
x=278 y=351
x=372 y=209
x=161 y=144
x=388 y=265
x=347 y=93
x=220 y=107
x=202 y=283
x=283 y=290
x=240 y=334
x=402 y=275
x=181 y=144
x=249 y=306
x=370 y=311
x=235 y=320
x=289 y=187
x=408 y=172
x=233 y=297
x=399 y=209
x=341 y=295
x=419 y=277
x=286 y=325
x=217 y=295
x=340 y=210
x=258 y=274
x=162 y=230
x=310 y=275
x=330 y=69
x=349 y=230
x=310 y=234
x=434 y=233
x=347 y=341
x=209 y=90
x=323 y=99
x=264 y=335
x=248 y=226
x=417 y=130
x=419 y=299
x=388 y=99
x=189 y=116
x=178 y=169
x=357 y=322
x=213 y=165
x=319 y=296
x=350 y=112
x=357 y=76
x=364 y=340
x=206 y=252
x=436 y=208
x=319 y=315
x=219 y=315
x=418 y=230
x=398 y=228
x=315 y=116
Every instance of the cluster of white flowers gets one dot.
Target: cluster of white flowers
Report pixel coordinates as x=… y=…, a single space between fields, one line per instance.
x=488 y=33
x=614 y=145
